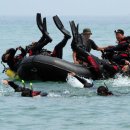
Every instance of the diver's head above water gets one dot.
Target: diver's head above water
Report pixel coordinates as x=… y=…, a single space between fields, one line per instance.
x=103 y=91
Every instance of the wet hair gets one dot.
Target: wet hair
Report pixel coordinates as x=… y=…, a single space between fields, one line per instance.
x=9 y=51
x=103 y=91
x=119 y=31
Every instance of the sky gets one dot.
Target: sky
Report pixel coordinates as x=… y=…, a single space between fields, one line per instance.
x=65 y=7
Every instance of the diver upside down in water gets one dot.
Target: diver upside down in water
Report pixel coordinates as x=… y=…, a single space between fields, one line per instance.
x=37 y=47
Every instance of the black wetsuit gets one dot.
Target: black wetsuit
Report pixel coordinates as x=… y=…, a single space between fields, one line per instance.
x=26 y=92
x=83 y=55
x=110 y=70
x=14 y=61
x=89 y=44
x=36 y=48
x=125 y=40
x=98 y=67
x=121 y=52
x=57 y=52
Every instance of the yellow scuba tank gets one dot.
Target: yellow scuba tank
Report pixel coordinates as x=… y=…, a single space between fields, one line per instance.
x=11 y=74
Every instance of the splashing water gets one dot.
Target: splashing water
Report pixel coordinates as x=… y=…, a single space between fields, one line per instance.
x=121 y=81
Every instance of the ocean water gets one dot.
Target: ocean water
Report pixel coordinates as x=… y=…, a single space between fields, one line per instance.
x=65 y=108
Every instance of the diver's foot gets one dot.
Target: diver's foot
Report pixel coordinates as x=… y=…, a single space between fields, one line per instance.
x=66 y=33
x=67 y=36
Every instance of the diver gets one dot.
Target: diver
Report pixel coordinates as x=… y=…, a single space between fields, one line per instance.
x=120 y=51
x=100 y=68
x=37 y=47
x=87 y=42
x=121 y=38
x=104 y=91
x=25 y=92
x=83 y=55
x=12 y=60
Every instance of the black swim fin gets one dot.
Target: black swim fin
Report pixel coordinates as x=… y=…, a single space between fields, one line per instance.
x=60 y=26
x=73 y=29
x=45 y=33
x=39 y=22
x=44 y=24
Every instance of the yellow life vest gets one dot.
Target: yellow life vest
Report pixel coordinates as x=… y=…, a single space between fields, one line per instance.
x=11 y=74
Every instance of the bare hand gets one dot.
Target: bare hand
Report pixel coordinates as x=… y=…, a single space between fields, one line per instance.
x=5 y=82
x=72 y=74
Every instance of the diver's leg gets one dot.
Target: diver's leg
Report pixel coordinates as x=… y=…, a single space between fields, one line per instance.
x=58 y=50
x=39 y=46
x=45 y=39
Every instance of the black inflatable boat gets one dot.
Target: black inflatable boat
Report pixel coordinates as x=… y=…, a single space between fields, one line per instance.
x=48 y=68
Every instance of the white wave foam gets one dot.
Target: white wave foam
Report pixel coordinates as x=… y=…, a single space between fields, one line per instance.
x=121 y=81
x=54 y=95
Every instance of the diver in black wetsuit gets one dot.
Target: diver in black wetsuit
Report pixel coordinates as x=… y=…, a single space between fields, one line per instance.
x=99 y=68
x=104 y=91
x=37 y=47
x=25 y=92
x=82 y=54
x=87 y=42
x=120 y=51
x=12 y=60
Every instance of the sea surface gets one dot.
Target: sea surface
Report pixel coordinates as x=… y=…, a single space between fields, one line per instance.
x=66 y=107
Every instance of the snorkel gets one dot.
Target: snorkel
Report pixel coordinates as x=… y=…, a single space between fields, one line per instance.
x=104 y=91
x=23 y=83
x=31 y=86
